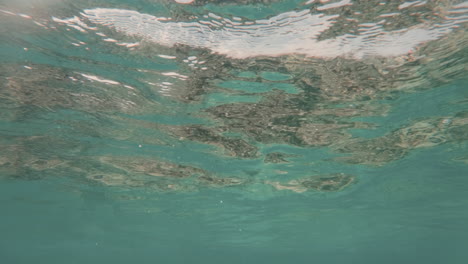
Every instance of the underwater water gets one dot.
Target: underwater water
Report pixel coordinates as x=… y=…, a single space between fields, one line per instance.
x=250 y=131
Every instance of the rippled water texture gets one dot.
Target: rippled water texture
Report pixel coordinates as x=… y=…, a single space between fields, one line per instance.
x=250 y=131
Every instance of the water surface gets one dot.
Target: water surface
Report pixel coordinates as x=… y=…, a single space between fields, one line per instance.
x=233 y=131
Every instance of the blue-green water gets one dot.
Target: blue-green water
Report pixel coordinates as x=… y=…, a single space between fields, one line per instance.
x=233 y=132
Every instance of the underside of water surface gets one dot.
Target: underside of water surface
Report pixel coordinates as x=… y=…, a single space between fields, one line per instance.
x=250 y=131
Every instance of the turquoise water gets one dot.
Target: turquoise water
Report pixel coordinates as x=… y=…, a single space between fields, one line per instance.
x=233 y=131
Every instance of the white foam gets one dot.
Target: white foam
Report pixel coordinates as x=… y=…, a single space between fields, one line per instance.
x=109 y=40
x=25 y=16
x=286 y=33
x=334 y=5
x=77 y=28
x=99 y=79
x=128 y=44
x=184 y=1
x=167 y=57
x=7 y=12
x=174 y=74
x=74 y=22
x=389 y=14
x=411 y=4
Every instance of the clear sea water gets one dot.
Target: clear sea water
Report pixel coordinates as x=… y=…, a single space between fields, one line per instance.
x=205 y=131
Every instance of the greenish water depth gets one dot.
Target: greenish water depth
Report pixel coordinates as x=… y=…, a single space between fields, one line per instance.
x=233 y=132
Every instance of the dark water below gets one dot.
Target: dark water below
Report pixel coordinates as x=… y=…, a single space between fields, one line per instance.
x=233 y=131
